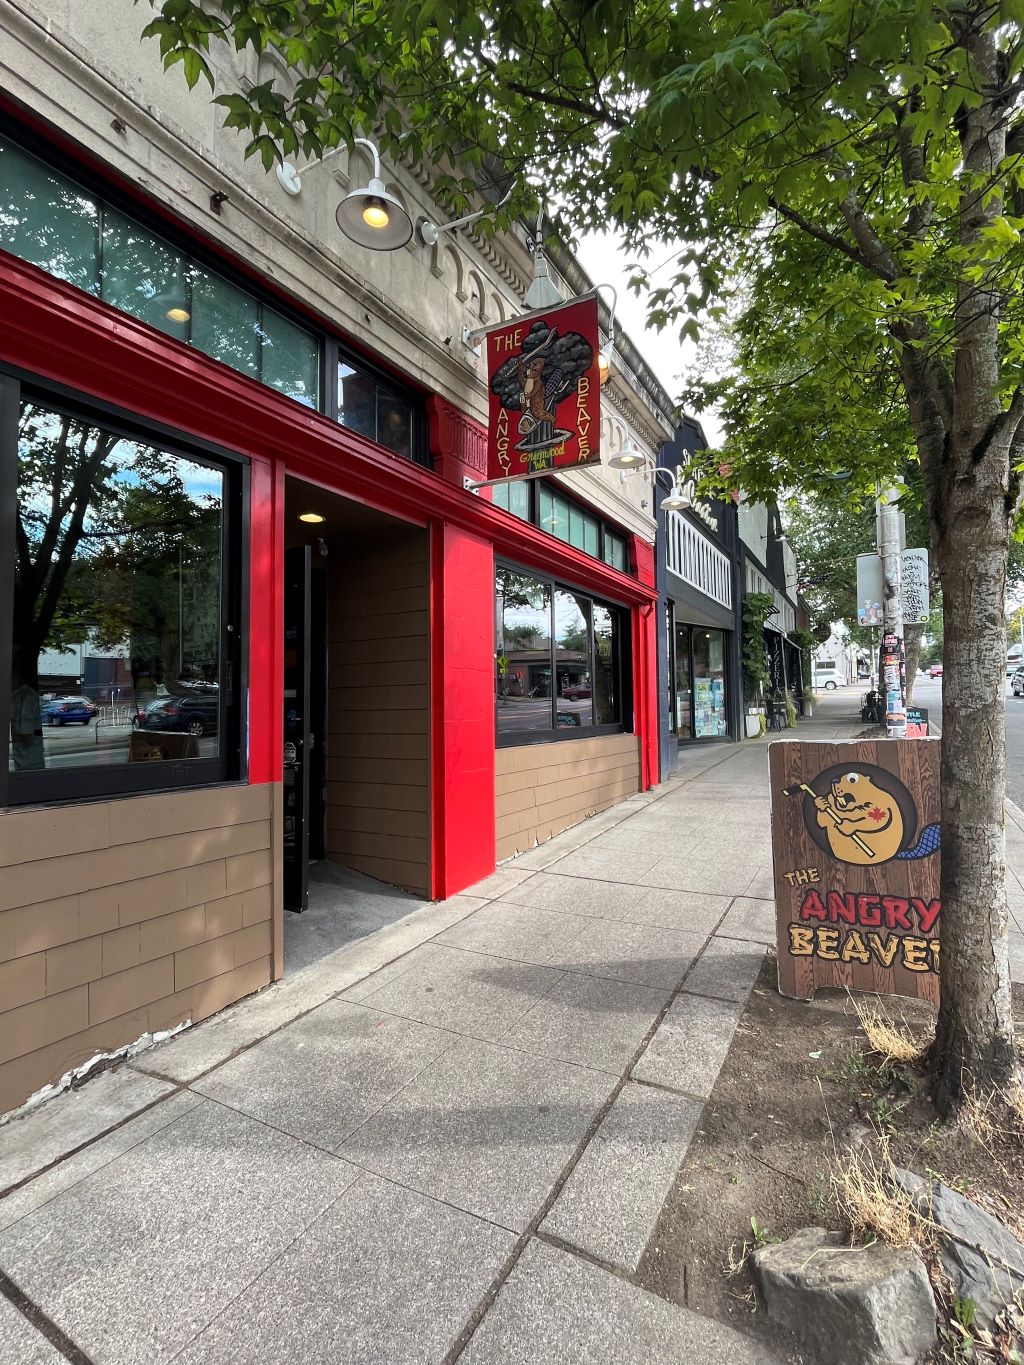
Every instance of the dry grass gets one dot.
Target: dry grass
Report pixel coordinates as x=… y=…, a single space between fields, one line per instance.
x=894 y=1042
x=871 y=1201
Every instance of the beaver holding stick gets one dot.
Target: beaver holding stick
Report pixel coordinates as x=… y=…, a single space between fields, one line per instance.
x=858 y=812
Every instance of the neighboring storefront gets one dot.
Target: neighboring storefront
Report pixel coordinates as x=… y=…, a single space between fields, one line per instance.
x=769 y=567
x=698 y=565
x=258 y=621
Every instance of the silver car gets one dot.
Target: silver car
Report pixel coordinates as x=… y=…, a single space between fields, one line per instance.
x=1017 y=682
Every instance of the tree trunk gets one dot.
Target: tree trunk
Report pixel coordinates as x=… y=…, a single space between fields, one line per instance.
x=970 y=505
x=974 y=1040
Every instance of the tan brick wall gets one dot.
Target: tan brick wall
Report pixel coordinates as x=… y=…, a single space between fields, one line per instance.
x=120 y=918
x=377 y=809
x=541 y=789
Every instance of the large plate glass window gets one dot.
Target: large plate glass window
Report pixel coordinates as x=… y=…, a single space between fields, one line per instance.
x=558 y=661
x=374 y=410
x=121 y=653
x=48 y=219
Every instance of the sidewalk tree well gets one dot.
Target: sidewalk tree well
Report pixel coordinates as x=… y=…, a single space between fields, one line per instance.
x=858 y=164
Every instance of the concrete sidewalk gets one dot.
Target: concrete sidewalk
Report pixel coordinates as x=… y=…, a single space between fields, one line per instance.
x=449 y=1142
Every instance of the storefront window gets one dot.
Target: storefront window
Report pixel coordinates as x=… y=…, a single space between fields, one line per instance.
x=557 y=660
x=514 y=497
x=575 y=692
x=49 y=220
x=523 y=614
x=117 y=648
x=684 y=694
x=700 y=683
x=374 y=410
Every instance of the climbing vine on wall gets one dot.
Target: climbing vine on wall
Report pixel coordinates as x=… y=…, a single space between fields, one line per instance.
x=807 y=644
x=757 y=607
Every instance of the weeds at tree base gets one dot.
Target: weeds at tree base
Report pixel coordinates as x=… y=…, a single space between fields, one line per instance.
x=872 y=1203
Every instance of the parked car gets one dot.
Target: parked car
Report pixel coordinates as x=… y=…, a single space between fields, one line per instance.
x=829 y=684
x=576 y=692
x=68 y=711
x=935 y=671
x=196 y=712
x=1017 y=683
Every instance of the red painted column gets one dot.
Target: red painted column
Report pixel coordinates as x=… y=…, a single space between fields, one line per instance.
x=462 y=708
x=645 y=669
x=266 y=621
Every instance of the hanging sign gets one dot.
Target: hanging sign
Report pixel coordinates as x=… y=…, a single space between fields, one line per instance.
x=544 y=392
x=856 y=845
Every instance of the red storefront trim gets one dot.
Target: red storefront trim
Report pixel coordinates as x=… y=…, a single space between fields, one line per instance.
x=57 y=332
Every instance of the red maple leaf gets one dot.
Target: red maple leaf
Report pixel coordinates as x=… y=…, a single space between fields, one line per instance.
x=877 y=814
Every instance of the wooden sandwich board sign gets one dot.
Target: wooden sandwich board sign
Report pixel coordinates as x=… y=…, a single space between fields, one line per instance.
x=855 y=842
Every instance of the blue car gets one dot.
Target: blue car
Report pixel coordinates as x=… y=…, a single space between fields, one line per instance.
x=68 y=711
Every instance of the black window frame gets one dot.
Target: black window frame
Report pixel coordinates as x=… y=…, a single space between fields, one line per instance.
x=623 y=665
x=337 y=353
x=111 y=781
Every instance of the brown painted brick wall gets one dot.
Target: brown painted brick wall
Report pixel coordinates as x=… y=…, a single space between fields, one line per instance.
x=125 y=917
x=541 y=789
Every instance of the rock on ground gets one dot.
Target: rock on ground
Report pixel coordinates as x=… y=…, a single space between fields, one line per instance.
x=850 y=1305
x=983 y=1260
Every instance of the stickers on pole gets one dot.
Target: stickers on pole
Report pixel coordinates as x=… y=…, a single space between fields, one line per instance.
x=545 y=392
x=856 y=847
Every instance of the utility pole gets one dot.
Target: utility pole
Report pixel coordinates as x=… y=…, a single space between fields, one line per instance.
x=890 y=550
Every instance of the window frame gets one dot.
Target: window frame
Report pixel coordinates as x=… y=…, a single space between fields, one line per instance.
x=111 y=781
x=536 y=487
x=623 y=665
x=335 y=352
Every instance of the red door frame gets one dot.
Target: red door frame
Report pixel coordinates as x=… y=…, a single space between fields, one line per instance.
x=57 y=332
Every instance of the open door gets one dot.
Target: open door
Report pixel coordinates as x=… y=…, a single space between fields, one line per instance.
x=297 y=604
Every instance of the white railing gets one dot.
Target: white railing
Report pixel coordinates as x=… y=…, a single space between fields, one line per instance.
x=785 y=618
x=694 y=559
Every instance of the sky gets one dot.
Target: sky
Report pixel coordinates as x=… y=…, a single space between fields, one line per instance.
x=605 y=260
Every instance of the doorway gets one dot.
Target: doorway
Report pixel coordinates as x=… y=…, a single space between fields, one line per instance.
x=356 y=826
x=700 y=673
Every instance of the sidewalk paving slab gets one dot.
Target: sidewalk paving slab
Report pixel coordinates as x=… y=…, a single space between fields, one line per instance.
x=134 y=1261
x=20 y=1343
x=555 y=1309
x=576 y=895
x=324 y=1075
x=484 y=1128
x=519 y=931
x=384 y=1276
x=727 y=969
x=689 y=1048
x=750 y=918
x=645 y=954
x=610 y=1205
x=43 y=1134
x=588 y=1021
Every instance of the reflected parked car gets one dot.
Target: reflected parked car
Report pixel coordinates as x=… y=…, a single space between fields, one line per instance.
x=1017 y=683
x=68 y=711
x=576 y=692
x=195 y=712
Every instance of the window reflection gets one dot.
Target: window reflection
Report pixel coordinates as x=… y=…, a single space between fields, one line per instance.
x=523 y=658
x=607 y=709
x=572 y=660
x=117 y=599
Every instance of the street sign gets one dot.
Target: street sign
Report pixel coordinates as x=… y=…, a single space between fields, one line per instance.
x=870 y=590
x=915 y=594
x=915 y=591
x=856 y=845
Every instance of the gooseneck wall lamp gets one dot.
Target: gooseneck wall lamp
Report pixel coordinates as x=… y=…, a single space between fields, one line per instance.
x=370 y=216
x=629 y=459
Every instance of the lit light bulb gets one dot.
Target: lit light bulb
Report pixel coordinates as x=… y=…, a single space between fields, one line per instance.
x=604 y=366
x=178 y=314
x=314 y=518
x=375 y=214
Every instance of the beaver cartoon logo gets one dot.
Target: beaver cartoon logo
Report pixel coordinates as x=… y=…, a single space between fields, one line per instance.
x=863 y=815
x=534 y=382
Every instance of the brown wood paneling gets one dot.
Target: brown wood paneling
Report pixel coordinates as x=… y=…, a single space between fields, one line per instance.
x=103 y=897
x=541 y=789
x=377 y=797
